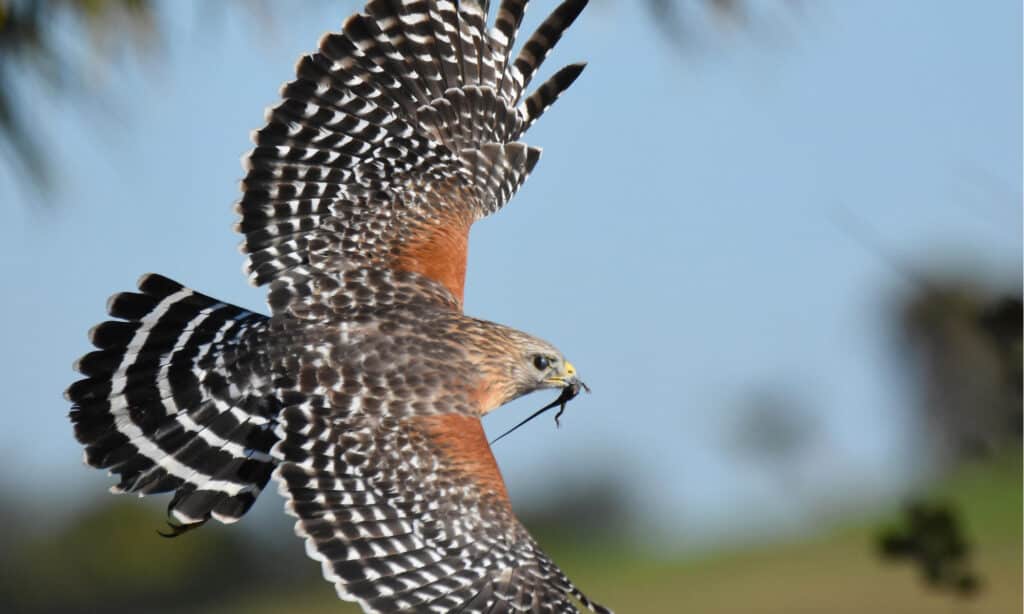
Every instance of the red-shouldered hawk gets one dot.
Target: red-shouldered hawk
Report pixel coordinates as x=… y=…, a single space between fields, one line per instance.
x=361 y=394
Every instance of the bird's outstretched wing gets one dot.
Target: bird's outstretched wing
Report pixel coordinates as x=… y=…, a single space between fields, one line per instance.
x=396 y=135
x=411 y=514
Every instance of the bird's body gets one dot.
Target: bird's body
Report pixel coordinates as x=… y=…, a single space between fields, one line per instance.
x=361 y=393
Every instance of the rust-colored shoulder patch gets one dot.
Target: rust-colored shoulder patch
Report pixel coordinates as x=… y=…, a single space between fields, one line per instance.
x=487 y=396
x=463 y=442
x=438 y=251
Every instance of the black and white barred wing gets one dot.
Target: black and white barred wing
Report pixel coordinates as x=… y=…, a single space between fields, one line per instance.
x=411 y=515
x=395 y=136
x=171 y=400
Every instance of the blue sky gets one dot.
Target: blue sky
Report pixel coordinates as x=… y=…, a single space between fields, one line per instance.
x=680 y=240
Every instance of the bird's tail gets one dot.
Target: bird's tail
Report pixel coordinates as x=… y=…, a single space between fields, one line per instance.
x=171 y=401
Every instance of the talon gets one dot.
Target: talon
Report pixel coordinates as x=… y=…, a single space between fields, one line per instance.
x=177 y=530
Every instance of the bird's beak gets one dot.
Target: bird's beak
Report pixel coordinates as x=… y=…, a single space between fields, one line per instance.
x=566 y=378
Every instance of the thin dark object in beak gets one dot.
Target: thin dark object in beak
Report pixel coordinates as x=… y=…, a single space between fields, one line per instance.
x=568 y=393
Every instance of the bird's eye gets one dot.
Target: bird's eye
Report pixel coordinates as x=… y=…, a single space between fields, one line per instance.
x=541 y=362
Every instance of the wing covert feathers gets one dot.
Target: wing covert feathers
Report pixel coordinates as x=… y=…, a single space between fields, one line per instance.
x=405 y=119
x=402 y=516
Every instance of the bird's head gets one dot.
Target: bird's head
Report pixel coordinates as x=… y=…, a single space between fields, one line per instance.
x=540 y=365
x=513 y=364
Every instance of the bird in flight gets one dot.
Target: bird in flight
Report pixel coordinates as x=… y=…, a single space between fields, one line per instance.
x=361 y=393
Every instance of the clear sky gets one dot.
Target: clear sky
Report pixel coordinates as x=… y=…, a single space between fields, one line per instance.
x=680 y=240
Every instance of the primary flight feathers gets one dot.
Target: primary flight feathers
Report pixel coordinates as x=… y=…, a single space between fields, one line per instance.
x=405 y=120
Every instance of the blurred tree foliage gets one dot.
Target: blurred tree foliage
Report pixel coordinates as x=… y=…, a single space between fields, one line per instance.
x=776 y=433
x=965 y=342
x=47 y=43
x=678 y=20
x=588 y=509
x=51 y=44
x=58 y=48
x=932 y=537
x=109 y=558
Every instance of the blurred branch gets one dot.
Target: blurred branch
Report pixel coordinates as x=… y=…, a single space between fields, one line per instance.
x=59 y=45
x=859 y=229
x=32 y=52
x=670 y=12
x=675 y=18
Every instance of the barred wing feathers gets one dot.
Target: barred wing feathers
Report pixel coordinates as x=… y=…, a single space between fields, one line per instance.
x=396 y=135
x=411 y=514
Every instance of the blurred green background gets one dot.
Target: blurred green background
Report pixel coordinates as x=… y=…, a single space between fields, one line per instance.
x=109 y=558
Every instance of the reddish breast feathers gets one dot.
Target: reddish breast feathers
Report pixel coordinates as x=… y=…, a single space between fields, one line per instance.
x=463 y=442
x=438 y=251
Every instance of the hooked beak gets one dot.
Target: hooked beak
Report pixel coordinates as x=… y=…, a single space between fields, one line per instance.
x=566 y=378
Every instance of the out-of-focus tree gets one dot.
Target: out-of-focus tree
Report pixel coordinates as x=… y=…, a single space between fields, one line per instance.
x=966 y=344
x=681 y=20
x=51 y=44
x=48 y=44
x=674 y=16
x=60 y=47
x=591 y=509
x=932 y=538
x=108 y=557
x=775 y=432
x=962 y=340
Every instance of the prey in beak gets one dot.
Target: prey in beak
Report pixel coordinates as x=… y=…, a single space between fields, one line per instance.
x=571 y=386
x=566 y=378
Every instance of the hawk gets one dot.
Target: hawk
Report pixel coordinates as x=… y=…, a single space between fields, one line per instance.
x=361 y=393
